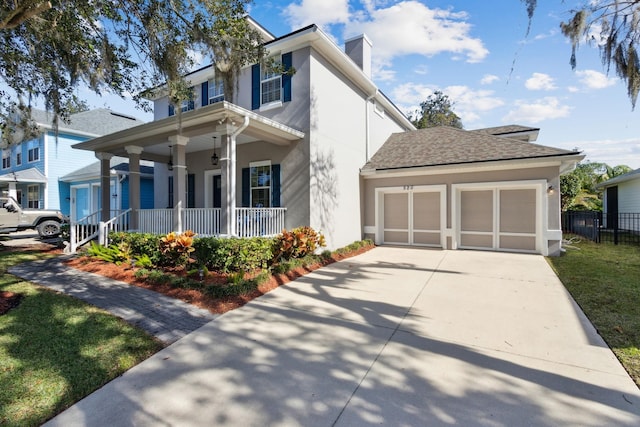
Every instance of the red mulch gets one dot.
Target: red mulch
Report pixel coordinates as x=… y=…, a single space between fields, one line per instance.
x=125 y=273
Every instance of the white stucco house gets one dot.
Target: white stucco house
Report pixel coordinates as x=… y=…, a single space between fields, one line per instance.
x=293 y=150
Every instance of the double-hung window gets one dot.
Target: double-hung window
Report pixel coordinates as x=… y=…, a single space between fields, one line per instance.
x=19 y=157
x=6 y=159
x=216 y=90
x=260 y=178
x=33 y=196
x=271 y=84
x=33 y=152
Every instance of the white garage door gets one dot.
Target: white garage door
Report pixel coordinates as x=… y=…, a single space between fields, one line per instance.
x=413 y=216
x=499 y=218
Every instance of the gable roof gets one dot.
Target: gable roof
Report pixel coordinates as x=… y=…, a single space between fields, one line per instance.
x=444 y=145
x=117 y=164
x=100 y=121
x=634 y=174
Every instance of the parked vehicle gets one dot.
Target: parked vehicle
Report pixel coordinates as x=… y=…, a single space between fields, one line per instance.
x=13 y=217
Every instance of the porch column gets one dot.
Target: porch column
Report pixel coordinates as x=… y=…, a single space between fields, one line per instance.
x=134 y=183
x=179 y=144
x=229 y=130
x=13 y=192
x=105 y=185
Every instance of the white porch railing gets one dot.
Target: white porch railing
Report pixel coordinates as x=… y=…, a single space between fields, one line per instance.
x=120 y=222
x=90 y=227
x=203 y=221
x=155 y=221
x=250 y=222
x=259 y=221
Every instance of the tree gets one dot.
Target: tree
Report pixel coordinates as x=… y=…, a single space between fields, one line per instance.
x=437 y=110
x=49 y=48
x=578 y=188
x=613 y=25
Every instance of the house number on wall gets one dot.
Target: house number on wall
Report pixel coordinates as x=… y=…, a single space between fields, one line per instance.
x=408 y=187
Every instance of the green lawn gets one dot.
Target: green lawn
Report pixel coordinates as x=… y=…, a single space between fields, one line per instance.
x=54 y=349
x=604 y=279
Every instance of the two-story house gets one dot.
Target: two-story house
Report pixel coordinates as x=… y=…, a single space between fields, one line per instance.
x=285 y=152
x=324 y=147
x=31 y=170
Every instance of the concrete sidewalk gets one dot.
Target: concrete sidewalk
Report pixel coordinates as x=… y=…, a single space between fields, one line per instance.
x=400 y=337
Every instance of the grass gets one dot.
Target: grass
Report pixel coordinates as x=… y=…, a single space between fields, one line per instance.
x=604 y=279
x=54 y=349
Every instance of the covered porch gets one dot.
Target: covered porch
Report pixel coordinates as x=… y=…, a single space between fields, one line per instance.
x=201 y=143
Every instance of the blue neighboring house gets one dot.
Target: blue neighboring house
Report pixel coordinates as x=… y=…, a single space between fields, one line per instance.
x=31 y=170
x=82 y=187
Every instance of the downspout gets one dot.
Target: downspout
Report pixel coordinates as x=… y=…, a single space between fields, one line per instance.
x=231 y=188
x=366 y=121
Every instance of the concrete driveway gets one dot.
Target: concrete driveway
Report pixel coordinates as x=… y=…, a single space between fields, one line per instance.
x=402 y=337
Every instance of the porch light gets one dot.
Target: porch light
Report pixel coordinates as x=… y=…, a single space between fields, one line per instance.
x=170 y=164
x=551 y=190
x=214 y=158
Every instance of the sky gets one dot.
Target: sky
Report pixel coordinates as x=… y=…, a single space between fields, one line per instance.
x=479 y=54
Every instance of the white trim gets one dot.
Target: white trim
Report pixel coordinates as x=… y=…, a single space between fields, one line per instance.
x=410 y=190
x=271 y=105
x=208 y=183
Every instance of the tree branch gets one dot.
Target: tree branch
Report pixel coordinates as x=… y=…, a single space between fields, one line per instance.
x=23 y=13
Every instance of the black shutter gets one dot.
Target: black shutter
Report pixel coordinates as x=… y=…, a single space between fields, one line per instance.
x=172 y=111
x=204 y=94
x=255 y=86
x=246 y=187
x=287 y=62
x=275 y=186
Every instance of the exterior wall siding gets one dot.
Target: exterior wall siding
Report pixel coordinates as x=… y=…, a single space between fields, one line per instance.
x=61 y=159
x=629 y=196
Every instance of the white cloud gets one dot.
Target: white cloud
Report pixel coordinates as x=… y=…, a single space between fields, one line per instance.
x=319 y=12
x=610 y=151
x=487 y=79
x=410 y=27
x=540 y=81
x=593 y=79
x=468 y=103
x=528 y=113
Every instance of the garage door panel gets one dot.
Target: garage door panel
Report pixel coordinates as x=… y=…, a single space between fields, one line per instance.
x=476 y=241
x=426 y=238
x=519 y=243
x=518 y=211
x=401 y=237
x=426 y=211
x=396 y=211
x=476 y=211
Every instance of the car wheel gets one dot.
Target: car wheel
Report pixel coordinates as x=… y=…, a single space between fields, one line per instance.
x=49 y=228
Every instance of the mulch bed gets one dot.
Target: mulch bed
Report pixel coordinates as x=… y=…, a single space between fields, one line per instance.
x=125 y=273
x=8 y=300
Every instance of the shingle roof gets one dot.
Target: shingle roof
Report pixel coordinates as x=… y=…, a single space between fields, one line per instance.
x=116 y=163
x=101 y=121
x=449 y=146
x=509 y=129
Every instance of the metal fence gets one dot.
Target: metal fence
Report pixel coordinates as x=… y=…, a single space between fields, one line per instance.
x=623 y=228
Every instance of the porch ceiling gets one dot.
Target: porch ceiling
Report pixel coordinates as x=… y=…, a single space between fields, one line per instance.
x=199 y=125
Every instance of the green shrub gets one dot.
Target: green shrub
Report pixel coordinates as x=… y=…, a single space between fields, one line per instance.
x=231 y=254
x=139 y=244
x=115 y=254
x=143 y=261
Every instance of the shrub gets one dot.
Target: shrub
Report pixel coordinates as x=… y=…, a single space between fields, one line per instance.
x=232 y=255
x=297 y=243
x=116 y=254
x=140 y=244
x=176 y=248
